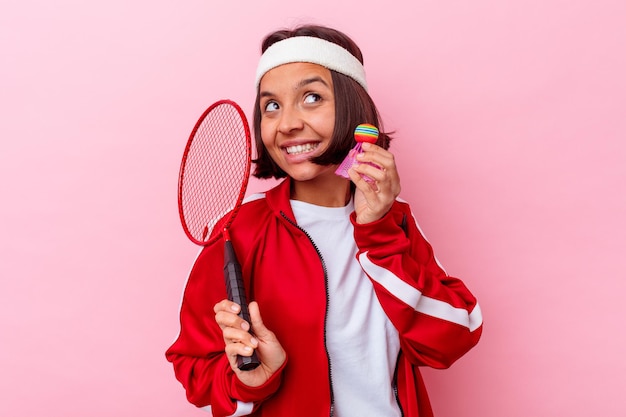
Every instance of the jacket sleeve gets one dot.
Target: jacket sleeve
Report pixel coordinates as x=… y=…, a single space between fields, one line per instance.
x=437 y=317
x=198 y=353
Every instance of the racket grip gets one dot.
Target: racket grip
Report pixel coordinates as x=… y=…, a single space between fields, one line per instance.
x=237 y=294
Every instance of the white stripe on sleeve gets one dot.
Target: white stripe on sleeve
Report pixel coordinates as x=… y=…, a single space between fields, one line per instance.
x=421 y=303
x=243 y=409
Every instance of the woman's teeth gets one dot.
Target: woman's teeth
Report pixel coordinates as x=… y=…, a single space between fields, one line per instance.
x=307 y=147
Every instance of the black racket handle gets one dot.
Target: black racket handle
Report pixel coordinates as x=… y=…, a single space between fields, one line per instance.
x=237 y=294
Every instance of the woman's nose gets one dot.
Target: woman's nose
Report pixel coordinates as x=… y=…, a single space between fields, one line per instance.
x=290 y=120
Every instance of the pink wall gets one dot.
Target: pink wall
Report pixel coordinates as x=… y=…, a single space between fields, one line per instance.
x=511 y=128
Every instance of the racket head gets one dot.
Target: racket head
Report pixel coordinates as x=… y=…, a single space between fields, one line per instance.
x=214 y=171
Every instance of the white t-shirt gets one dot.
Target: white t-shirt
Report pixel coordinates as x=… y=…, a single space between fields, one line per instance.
x=362 y=343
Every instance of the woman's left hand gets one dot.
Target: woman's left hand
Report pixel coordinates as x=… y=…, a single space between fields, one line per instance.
x=373 y=199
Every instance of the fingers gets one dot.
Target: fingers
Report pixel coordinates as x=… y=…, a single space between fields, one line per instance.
x=377 y=181
x=235 y=330
x=270 y=351
x=257 y=322
x=379 y=165
x=238 y=341
x=376 y=178
x=226 y=315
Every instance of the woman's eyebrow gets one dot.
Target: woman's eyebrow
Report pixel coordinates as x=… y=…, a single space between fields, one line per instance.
x=311 y=80
x=301 y=84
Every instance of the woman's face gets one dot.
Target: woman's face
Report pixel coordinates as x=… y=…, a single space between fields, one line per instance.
x=297 y=107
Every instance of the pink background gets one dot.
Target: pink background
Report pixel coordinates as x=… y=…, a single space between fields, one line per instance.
x=511 y=128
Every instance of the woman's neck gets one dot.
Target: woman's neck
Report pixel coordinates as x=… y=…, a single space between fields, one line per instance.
x=326 y=191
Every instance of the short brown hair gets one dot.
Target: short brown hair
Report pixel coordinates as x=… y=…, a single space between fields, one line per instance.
x=353 y=106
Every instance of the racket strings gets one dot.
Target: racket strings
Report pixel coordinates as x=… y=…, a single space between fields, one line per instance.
x=216 y=165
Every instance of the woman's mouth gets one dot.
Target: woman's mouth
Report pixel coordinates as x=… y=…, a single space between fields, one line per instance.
x=303 y=148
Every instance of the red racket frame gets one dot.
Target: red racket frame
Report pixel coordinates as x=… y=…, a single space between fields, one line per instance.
x=227 y=220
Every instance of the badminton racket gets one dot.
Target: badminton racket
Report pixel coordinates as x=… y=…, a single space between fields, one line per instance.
x=212 y=183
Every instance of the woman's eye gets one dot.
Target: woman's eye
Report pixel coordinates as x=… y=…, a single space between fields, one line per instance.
x=271 y=106
x=312 y=98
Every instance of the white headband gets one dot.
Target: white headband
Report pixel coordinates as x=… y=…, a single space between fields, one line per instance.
x=313 y=50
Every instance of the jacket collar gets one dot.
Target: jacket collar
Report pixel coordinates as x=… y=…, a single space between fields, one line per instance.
x=278 y=199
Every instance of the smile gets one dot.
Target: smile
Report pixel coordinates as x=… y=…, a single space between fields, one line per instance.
x=298 y=149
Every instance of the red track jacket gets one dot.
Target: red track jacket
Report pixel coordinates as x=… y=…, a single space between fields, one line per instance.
x=437 y=318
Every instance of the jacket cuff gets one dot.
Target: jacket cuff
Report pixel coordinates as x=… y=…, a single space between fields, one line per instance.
x=384 y=231
x=245 y=393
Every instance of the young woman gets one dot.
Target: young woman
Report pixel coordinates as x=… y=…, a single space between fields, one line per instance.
x=348 y=298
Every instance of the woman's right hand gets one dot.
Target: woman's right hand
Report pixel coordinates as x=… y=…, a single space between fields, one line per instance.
x=239 y=341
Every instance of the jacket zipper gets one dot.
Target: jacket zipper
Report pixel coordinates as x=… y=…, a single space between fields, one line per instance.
x=330 y=371
x=395 y=385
